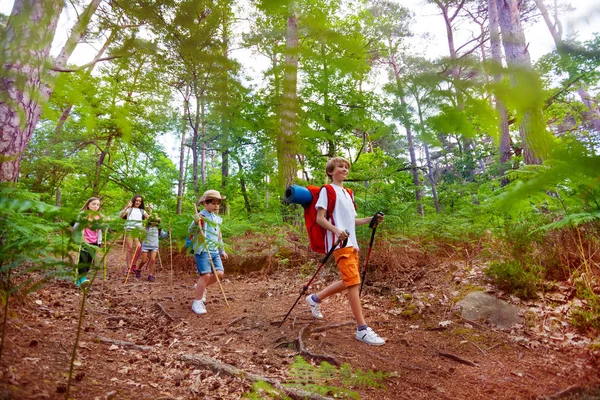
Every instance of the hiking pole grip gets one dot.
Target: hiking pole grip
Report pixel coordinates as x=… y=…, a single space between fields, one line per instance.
x=305 y=287
x=373 y=225
x=374 y=222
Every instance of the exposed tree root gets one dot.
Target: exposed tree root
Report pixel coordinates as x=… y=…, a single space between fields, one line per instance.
x=570 y=391
x=306 y=331
x=219 y=366
x=307 y=354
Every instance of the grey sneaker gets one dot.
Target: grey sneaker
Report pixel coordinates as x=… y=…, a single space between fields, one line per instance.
x=315 y=307
x=198 y=307
x=369 y=336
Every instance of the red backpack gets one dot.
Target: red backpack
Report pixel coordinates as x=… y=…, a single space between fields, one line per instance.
x=316 y=233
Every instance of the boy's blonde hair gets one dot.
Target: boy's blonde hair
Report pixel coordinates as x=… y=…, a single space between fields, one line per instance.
x=334 y=162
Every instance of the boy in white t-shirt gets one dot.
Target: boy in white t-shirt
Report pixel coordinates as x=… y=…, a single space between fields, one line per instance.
x=342 y=221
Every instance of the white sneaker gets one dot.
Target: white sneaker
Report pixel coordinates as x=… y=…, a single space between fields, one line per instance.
x=315 y=307
x=198 y=307
x=369 y=336
x=203 y=295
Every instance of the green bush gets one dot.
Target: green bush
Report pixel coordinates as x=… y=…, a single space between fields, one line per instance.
x=512 y=277
x=587 y=317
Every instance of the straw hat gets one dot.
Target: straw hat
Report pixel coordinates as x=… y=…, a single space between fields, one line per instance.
x=154 y=218
x=211 y=194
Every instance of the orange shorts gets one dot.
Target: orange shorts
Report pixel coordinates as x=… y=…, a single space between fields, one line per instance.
x=347 y=261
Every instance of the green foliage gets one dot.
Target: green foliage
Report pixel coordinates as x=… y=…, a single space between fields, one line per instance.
x=513 y=277
x=586 y=317
x=328 y=380
x=263 y=391
x=35 y=238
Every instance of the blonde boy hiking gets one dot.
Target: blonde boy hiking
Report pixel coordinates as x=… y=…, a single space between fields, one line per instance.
x=343 y=219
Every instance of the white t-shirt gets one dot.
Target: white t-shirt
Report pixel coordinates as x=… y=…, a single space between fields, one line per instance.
x=344 y=215
x=135 y=218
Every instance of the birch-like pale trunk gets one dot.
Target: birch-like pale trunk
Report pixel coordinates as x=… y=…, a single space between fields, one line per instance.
x=536 y=144
x=496 y=50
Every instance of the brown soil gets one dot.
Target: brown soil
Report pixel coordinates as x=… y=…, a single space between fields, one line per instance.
x=463 y=360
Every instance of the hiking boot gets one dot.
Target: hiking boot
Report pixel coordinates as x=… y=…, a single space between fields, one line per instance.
x=369 y=336
x=315 y=307
x=151 y=278
x=83 y=283
x=138 y=273
x=198 y=307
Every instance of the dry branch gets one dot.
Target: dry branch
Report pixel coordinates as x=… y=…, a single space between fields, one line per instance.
x=124 y=344
x=219 y=366
x=457 y=358
x=162 y=310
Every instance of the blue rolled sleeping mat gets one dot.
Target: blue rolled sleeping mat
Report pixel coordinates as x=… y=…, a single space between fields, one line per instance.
x=296 y=194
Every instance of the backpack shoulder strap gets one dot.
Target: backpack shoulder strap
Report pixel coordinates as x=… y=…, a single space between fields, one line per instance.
x=351 y=196
x=331 y=198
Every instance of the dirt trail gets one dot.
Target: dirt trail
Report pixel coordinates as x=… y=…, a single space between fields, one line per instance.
x=162 y=335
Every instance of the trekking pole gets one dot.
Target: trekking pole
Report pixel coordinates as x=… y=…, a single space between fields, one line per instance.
x=373 y=225
x=214 y=270
x=305 y=287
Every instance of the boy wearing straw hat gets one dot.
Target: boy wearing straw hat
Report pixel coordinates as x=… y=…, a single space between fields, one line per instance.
x=208 y=247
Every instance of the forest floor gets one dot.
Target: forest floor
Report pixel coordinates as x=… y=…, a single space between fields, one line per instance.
x=141 y=340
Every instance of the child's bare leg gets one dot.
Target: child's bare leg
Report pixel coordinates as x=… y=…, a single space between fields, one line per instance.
x=128 y=250
x=355 y=306
x=152 y=262
x=335 y=287
x=142 y=261
x=204 y=281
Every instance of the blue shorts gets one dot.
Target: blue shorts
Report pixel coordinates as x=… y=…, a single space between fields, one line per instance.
x=147 y=249
x=203 y=265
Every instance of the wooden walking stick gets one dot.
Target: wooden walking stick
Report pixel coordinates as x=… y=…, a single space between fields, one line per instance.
x=159 y=259
x=133 y=260
x=171 y=252
x=105 y=252
x=214 y=270
x=77 y=263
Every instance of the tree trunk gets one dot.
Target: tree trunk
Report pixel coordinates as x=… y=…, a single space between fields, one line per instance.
x=286 y=149
x=243 y=188
x=432 y=181
x=29 y=85
x=413 y=162
x=99 y=164
x=449 y=18
x=496 y=50
x=536 y=143
x=226 y=121
x=181 y=179
x=202 y=144
x=27 y=40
